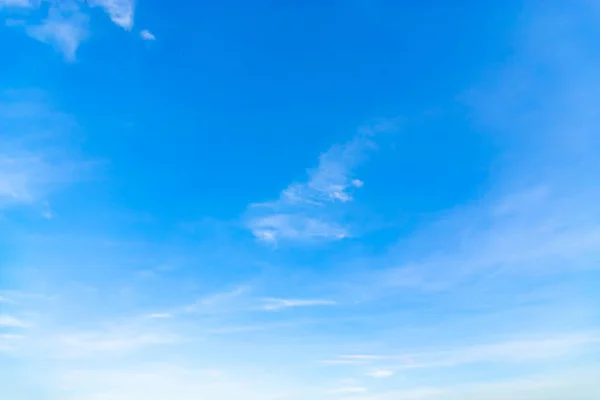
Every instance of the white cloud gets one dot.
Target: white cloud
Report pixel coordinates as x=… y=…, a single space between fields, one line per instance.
x=278 y=304
x=30 y=165
x=63 y=30
x=146 y=35
x=12 y=322
x=331 y=180
x=161 y=315
x=271 y=228
x=121 y=12
x=310 y=210
x=381 y=373
x=357 y=183
x=217 y=302
x=540 y=216
x=66 y=25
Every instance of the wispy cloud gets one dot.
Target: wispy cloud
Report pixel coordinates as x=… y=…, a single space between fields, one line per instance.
x=66 y=25
x=30 y=166
x=550 y=235
x=295 y=227
x=64 y=29
x=9 y=342
x=306 y=211
x=544 y=222
x=55 y=337
x=381 y=373
x=579 y=383
x=121 y=12
x=278 y=304
x=161 y=315
x=236 y=300
x=540 y=215
x=513 y=351
x=147 y=35
x=12 y=322
x=103 y=343
x=217 y=302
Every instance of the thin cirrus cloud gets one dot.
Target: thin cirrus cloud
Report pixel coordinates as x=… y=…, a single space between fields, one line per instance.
x=30 y=166
x=225 y=302
x=234 y=301
x=542 y=221
x=273 y=304
x=92 y=348
x=9 y=321
x=304 y=211
x=545 y=347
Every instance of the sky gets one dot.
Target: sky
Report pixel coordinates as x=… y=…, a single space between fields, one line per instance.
x=345 y=200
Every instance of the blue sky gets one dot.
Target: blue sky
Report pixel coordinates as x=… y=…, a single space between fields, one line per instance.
x=367 y=200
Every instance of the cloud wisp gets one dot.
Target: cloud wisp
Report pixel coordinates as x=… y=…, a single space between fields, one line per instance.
x=30 y=165
x=313 y=210
x=12 y=322
x=519 y=351
x=63 y=29
x=540 y=215
x=67 y=23
x=121 y=12
x=160 y=337
x=37 y=156
x=274 y=304
x=380 y=373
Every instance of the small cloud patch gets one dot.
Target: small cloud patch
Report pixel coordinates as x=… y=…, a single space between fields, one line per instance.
x=380 y=373
x=147 y=35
